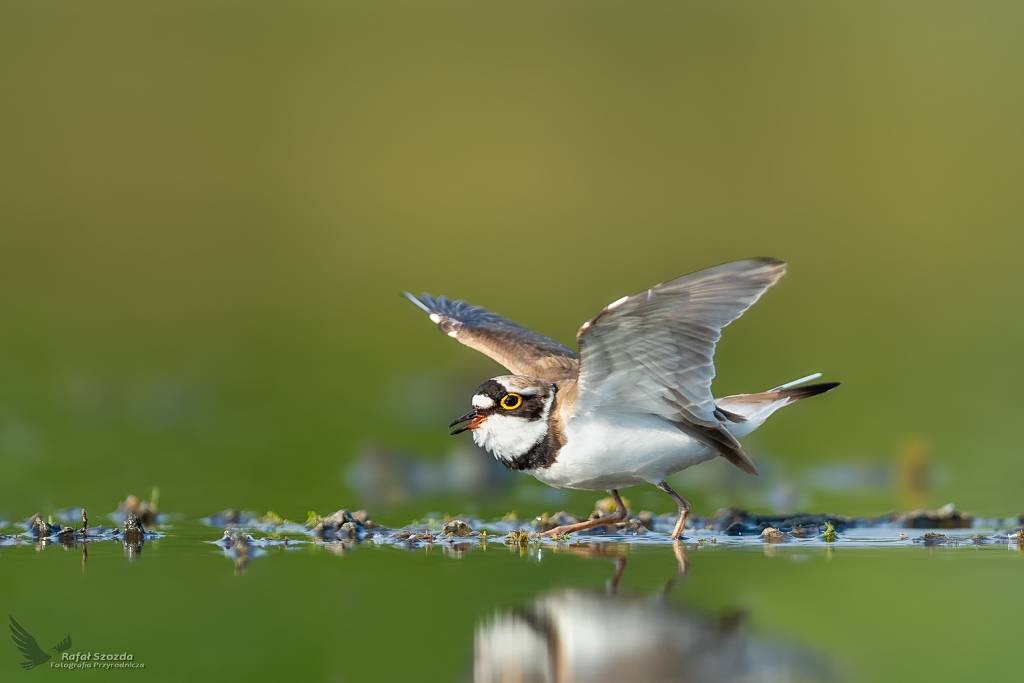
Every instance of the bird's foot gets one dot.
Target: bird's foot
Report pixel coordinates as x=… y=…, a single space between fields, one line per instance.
x=611 y=520
x=677 y=531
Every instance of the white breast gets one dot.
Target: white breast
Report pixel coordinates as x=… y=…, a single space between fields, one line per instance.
x=509 y=437
x=613 y=451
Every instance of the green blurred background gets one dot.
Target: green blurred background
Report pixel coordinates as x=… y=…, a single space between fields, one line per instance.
x=208 y=210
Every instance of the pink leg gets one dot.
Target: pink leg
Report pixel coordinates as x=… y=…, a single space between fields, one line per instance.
x=621 y=513
x=684 y=510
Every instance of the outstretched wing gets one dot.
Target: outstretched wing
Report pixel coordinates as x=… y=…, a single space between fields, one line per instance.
x=64 y=644
x=653 y=352
x=522 y=351
x=27 y=645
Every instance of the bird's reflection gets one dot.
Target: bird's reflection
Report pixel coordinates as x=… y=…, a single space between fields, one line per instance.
x=575 y=636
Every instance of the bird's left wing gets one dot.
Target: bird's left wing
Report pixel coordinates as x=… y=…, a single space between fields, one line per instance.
x=522 y=351
x=64 y=644
x=653 y=352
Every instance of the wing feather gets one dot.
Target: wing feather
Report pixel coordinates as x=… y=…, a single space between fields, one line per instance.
x=653 y=352
x=521 y=350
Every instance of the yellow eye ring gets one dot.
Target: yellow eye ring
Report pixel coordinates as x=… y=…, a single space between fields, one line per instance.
x=511 y=401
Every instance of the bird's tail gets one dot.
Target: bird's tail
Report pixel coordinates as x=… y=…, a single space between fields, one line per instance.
x=746 y=412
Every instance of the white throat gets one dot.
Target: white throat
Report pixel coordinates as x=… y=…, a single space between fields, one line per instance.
x=509 y=437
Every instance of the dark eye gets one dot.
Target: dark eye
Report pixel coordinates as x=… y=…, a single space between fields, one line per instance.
x=511 y=401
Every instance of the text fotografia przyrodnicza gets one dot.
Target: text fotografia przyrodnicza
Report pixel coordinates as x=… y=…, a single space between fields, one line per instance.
x=97 y=660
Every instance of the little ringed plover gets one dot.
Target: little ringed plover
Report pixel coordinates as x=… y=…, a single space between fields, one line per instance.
x=635 y=405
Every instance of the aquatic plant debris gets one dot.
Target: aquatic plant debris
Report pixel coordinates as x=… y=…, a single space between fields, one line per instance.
x=521 y=537
x=932 y=538
x=805 y=531
x=146 y=511
x=946 y=517
x=342 y=531
x=341 y=525
x=243 y=535
x=43 y=532
x=545 y=522
x=456 y=527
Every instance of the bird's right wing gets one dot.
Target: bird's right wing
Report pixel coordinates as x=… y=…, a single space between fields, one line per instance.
x=27 y=645
x=521 y=350
x=653 y=352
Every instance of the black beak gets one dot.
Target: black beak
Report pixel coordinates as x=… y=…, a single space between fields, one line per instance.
x=465 y=418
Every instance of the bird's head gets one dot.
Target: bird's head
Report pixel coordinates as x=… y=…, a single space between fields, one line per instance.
x=509 y=415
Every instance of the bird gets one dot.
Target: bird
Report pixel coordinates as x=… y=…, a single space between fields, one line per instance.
x=34 y=655
x=634 y=406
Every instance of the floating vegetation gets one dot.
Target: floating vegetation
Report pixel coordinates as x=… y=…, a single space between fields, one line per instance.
x=341 y=525
x=646 y=519
x=607 y=505
x=243 y=536
x=456 y=527
x=521 y=537
x=545 y=521
x=146 y=511
x=229 y=517
x=412 y=539
x=932 y=538
x=805 y=531
x=272 y=519
x=41 y=533
x=46 y=531
x=946 y=517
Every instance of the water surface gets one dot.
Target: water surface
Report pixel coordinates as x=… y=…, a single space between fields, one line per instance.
x=867 y=607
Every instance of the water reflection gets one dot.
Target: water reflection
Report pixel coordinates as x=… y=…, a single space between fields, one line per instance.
x=41 y=533
x=573 y=635
x=133 y=545
x=240 y=549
